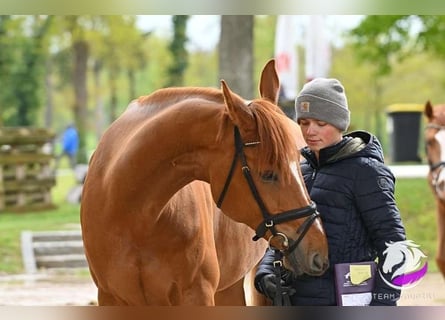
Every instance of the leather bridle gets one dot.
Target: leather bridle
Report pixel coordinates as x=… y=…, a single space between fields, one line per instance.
x=269 y=221
x=435 y=168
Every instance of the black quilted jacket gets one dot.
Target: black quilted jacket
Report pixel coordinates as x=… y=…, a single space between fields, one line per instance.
x=354 y=193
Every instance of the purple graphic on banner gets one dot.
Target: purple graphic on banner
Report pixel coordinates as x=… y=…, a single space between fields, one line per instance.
x=410 y=278
x=405 y=264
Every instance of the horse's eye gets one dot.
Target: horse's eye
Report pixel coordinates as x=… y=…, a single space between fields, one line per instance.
x=269 y=176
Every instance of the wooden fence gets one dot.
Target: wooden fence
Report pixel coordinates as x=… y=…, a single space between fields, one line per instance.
x=26 y=169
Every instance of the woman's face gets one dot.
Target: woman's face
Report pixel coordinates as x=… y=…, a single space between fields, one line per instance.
x=319 y=134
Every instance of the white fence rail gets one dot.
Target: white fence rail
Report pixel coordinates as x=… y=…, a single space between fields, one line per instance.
x=409 y=171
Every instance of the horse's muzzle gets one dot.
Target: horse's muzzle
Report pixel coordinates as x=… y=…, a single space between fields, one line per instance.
x=313 y=264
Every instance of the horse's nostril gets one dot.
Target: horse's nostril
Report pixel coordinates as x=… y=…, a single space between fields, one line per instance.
x=319 y=264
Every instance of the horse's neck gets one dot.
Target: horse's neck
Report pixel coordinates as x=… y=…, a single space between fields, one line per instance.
x=164 y=152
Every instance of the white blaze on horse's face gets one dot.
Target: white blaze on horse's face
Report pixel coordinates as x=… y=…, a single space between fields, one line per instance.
x=296 y=174
x=294 y=169
x=440 y=180
x=440 y=137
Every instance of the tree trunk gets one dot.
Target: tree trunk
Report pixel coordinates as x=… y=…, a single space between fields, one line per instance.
x=49 y=91
x=131 y=84
x=236 y=54
x=80 y=49
x=113 y=94
x=99 y=100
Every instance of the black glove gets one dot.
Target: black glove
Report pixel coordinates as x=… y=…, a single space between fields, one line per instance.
x=268 y=286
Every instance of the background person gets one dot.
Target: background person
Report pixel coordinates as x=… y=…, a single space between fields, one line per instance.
x=70 y=146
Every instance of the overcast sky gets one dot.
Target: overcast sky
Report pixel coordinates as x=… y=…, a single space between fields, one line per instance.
x=203 y=30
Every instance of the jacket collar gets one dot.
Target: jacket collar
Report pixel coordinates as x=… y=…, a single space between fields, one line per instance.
x=357 y=143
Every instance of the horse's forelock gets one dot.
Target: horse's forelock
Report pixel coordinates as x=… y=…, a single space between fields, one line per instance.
x=277 y=148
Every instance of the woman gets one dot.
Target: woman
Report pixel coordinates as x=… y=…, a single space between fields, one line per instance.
x=354 y=192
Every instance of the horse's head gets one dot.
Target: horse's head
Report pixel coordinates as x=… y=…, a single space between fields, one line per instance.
x=257 y=178
x=435 y=147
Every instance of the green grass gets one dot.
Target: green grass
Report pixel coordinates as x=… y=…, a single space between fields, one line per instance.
x=413 y=196
x=64 y=217
x=418 y=210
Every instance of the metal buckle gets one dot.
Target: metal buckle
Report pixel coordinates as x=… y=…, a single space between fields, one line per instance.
x=269 y=224
x=285 y=242
x=278 y=263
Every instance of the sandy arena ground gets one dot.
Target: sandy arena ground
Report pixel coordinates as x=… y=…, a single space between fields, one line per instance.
x=59 y=289
x=65 y=289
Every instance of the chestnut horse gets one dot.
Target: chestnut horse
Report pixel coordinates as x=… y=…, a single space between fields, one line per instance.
x=435 y=151
x=151 y=231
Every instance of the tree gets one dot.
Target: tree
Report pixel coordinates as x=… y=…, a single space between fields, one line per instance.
x=80 y=48
x=118 y=50
x=22 y=64
x=381 y=40
x=385 y=40
x=6 y=62
x=236 y=53
x=97 y=45
x=178 y=51
x=430 y=37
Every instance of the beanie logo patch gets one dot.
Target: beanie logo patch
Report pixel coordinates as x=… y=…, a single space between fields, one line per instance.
x=304 y=106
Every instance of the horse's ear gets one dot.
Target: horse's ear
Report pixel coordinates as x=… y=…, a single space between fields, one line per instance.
x=428 y=110
x=239 y=112
x=269 y=82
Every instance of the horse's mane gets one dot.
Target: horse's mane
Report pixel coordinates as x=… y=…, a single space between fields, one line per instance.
x=277 y=148
x=164 y=97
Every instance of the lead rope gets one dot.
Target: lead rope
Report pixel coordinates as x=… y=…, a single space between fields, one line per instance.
x=281 y=296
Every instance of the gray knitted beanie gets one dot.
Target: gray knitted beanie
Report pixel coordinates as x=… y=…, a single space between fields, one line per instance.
x=323 y=99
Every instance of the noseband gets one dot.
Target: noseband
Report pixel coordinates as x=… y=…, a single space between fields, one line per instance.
x=269 y=221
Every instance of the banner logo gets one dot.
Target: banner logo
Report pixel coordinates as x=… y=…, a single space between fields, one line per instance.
x=405 y=264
